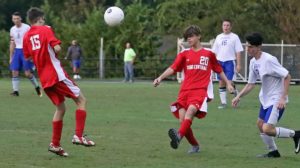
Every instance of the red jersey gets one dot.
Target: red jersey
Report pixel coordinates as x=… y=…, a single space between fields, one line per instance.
x=38 y=44
x=197 y=67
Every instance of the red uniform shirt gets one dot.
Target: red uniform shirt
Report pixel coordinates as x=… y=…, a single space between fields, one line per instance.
x=38 y=44
x=197 y=67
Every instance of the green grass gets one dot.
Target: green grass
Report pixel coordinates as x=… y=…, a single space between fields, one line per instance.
x=129 y=123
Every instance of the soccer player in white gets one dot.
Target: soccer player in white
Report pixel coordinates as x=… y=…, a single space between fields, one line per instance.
x=16 y=56
x=275 y=81
x=228 y=48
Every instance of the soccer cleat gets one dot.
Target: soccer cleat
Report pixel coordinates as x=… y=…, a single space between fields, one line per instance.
x=194 y=149
x=38 y=91
x=175 y=139
x=222 y=106
x=57 y=150
x=82 y=141
x=272 y=154
x=15 y=93
x=296 y=139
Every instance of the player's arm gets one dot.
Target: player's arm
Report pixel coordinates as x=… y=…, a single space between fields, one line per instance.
x=229 y=86
x=243 y=92
x=167 y=73
x=12 y=47
x=286 y=85
x=238 y=62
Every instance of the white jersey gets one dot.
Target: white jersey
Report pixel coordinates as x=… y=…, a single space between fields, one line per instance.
x=271 y=74
x=17 y=34
x=226 y=46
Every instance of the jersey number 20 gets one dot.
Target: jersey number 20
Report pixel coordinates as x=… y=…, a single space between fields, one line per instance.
x=35 y=42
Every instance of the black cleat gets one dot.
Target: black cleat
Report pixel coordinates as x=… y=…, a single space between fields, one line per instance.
x=15 y=93
x=296 y=139
x=175 y=140
x=272 y=154
x=38 y=91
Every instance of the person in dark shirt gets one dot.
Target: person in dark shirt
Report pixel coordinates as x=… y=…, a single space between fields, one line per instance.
x=75 y=53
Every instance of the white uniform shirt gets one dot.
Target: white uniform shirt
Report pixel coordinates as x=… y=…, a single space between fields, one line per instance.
x=17 y=34
x=226 y=46
x=271 y=74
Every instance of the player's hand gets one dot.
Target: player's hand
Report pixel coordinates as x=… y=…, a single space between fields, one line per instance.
x=281 y=104
x=10 y=60
x=156 y=82
x=235 y=101
x=230 y=88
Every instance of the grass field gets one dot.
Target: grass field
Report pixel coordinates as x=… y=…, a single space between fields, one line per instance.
x=129 y=123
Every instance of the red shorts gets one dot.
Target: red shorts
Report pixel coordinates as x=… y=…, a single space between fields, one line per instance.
x=62 y=89
x=198 y=98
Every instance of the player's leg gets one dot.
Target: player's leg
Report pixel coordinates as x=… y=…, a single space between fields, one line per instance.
x=27 y=67
x=269 y=127
x=267 y=139
x=77 y=69
x=80 y=116
x=222 y=88
x=15 y=66
x=126 y=72
x=57 y=121
x=131 y=72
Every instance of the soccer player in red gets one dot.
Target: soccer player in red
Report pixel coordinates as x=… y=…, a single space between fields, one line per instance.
x=197 y=63
x=41 y=45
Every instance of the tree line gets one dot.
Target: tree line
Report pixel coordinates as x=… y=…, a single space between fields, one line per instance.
x=147 y=23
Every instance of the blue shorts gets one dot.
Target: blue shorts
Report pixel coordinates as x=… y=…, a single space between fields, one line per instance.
x=19 y=63
x=228 y=68
x=270 y=115
x=76 y=63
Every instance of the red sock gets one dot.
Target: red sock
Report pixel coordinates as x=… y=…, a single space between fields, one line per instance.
x=56 y=132
x=185 y=125
x=190 y=137
x=80 y=122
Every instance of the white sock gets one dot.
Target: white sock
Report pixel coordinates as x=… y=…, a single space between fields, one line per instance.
x=269 y=141
x=34 y=81
x=223 y=93
x=284 y=132
x=15 y=83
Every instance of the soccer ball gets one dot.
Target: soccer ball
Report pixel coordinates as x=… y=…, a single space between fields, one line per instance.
x=113 y=16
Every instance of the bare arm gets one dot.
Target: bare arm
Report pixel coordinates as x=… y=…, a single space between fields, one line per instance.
x=167 y=73
x=286 y=85
x=238 y=62
x=12 y=47
x=242 y=93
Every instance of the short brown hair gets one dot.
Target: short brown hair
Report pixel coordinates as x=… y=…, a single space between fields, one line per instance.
x=16 y=14
x=34 y=14
x=190 y=31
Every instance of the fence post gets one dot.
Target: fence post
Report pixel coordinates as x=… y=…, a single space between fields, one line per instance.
x=281 y=53
x=101 y=60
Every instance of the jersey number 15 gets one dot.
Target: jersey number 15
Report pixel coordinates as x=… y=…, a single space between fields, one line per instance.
x=35 y=42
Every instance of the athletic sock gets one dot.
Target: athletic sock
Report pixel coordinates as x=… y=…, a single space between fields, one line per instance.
x=190 y=137
x=269 y=141
x=34 y=81
x=56 y=132
x=284 y=132
x=185 y=125
x=80 y=122
x=15 y=83
x=223 y=93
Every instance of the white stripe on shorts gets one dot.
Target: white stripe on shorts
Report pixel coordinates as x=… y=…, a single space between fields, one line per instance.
x=75 y=89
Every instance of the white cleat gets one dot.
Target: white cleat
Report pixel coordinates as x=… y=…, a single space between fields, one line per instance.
x=82 y=141
x=57 y=150
x=194 y=149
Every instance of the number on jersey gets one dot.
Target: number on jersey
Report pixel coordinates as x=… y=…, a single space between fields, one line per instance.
x=35 y=42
